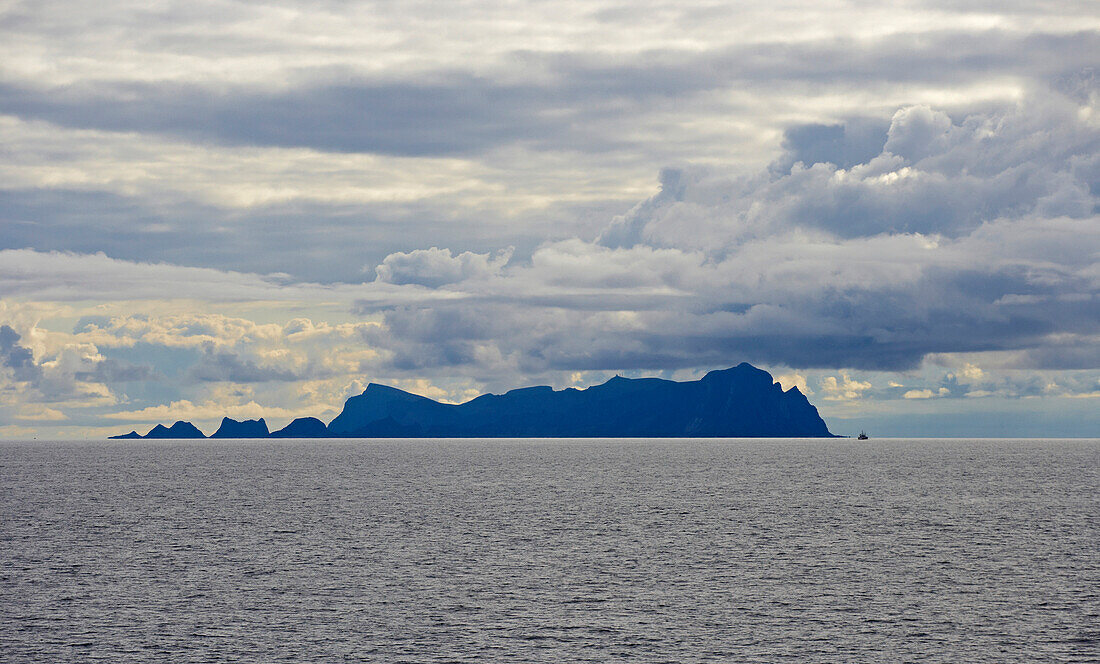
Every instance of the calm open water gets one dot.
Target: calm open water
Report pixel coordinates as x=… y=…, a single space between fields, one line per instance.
x=550 y=551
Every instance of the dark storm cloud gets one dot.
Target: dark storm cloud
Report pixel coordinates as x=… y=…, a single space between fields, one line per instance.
x=570 y=101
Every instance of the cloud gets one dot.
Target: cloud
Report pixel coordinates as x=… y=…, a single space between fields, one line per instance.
x=971 y=373
x=946 y=179
x=17 y=358
x=917 y=132
x=226 y=366
x=882 y=302
x=546 y=99
x=55 y=373
x=792 y=380
x=817 y=267
x=925 y=393
x=853 y=142
x=264 y=150
x=843 y=388
x=114 y=371
x=62 y=276
x=438 y=267
x=39 y=413
x=318 y=241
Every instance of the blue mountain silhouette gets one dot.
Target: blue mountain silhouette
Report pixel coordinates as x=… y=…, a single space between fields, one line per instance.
x=178 y=430
x=246 y=429
x=739 y=402
x=303 y=427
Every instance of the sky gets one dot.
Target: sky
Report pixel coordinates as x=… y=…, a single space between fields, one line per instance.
x=223 y=208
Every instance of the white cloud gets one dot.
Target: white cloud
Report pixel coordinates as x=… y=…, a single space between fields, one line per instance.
x=983 y=168
x=794 y=380
x=438 y=267
x=925 y=393
x=843 y=388
x=40 y=413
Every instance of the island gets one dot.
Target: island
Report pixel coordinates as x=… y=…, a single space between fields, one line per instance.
x=740 y=402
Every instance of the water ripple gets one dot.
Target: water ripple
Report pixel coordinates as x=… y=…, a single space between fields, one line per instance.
x=550 y=551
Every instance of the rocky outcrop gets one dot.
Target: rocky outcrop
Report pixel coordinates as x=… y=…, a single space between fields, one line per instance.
x=303 y=427
x=180 y=429
x=246 y=429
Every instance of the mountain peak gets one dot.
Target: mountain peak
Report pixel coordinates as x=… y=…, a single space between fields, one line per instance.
x=247 y=429
x=180 y=429
x=302 y=427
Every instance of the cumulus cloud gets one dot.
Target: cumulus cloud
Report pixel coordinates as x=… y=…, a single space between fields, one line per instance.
x=933 y=176
x=39 y=413
x=973 y=235
x=793 y=380
x=437 y=267
x=808 y=301
x=843 y=388
x=925 y=393
x=15 y=357
x=41 y=385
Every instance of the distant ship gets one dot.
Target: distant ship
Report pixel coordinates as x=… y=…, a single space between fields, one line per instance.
x=863 y=435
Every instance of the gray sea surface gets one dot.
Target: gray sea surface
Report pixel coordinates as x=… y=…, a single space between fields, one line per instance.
x=550 y=551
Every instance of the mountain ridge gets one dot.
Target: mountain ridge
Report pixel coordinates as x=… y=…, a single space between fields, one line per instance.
x=742 y=401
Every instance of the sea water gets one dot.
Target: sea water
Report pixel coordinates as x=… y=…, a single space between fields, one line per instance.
x=550 y=551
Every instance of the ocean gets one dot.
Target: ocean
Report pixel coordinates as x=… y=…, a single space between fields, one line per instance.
x=550 y=551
